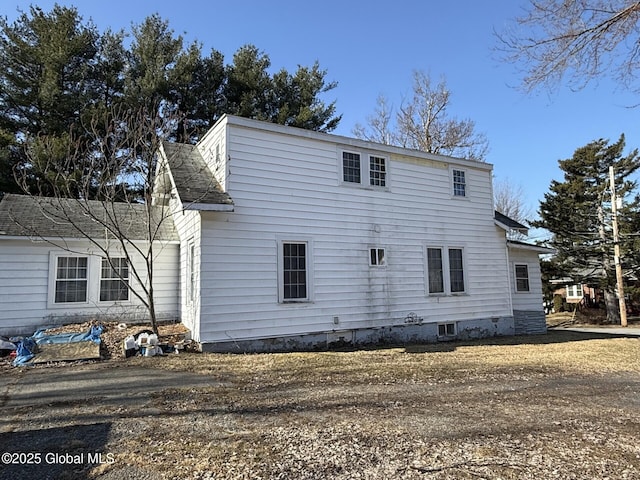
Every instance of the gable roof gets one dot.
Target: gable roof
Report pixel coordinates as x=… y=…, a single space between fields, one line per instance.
x=44 y=217
x=194 y=181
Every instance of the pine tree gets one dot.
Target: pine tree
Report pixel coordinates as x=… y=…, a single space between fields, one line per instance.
x=577 y=212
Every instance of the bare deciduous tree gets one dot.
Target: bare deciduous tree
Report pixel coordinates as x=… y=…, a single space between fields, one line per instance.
x=116 y=197
x=423 y=123
x=577 y=40
x=509 y=199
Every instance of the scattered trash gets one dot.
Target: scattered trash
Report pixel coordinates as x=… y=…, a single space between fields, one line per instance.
x=29 y=347
x=6 y=347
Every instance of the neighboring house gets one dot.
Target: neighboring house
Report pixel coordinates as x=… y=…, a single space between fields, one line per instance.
x=293 y=239
x=50 y=274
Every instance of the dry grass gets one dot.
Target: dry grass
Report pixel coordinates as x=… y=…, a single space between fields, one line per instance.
x=564 y=406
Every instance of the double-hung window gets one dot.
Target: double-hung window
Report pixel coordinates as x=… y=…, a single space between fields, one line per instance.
x=295 y=271
x=459 y=183
x=114 y=280
x=364 y=169
x=434 y=266
x=439 y=260
x=71 y=280
x=351 y=167
x=522 y=278
x=377 y=171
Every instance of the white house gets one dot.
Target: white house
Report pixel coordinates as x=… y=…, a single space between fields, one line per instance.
x=292 y=239
x=50 y=274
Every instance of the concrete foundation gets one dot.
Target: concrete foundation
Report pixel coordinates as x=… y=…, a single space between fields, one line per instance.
x=391 y=335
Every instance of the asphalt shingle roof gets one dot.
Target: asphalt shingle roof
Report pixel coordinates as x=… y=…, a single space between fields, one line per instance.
x=23 y=215
x=194 y=180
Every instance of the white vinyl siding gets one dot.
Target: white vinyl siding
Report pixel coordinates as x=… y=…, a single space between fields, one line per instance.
x=28 y=272
x=289 y=186
x=530 y=300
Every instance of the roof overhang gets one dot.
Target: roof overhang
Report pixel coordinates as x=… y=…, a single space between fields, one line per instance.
x=209 y=207
x=530 y=247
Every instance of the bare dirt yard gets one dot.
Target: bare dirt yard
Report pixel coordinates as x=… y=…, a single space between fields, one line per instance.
x=564 y=405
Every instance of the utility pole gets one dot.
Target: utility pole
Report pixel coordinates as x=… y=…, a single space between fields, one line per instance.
x=616 y=250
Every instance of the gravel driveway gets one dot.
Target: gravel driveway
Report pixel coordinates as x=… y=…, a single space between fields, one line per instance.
x=565 y=405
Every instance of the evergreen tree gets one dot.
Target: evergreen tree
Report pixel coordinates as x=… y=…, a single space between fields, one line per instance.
x=577 y=211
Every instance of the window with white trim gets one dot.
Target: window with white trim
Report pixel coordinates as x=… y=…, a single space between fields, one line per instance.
x=456 y=270
x=351 y=167
x=439 y=259
x=377 y=171
x=434 y=268
x=71 y=279
x=459 y=183
x=295 y=274
x=377 y=257
x=575 y=291
x=364 y=168
x=522 y=278
x=114 y=280
x=191 y=271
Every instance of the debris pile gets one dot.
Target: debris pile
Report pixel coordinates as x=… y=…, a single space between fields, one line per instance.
x=95 y=340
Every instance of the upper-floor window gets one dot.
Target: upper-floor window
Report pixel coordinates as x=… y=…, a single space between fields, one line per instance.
x=522 y=278
x=114 y=280
x=71 y=279
x=377 y=171
x=459 y=183
x=351 y=167
x=364 y=169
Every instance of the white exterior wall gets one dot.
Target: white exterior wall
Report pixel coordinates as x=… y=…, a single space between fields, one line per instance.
x=531 y=300
x=188 y=226
x=213 y=149
x=288 y=187
x=27 y=282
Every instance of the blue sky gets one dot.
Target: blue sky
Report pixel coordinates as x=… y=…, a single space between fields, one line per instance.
x=372 y=47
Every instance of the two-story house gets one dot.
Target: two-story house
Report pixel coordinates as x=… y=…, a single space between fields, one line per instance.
x=291 y=239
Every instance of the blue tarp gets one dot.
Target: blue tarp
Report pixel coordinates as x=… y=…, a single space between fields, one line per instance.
x=27 y=346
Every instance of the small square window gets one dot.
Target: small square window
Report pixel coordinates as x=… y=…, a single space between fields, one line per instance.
x=459 y=183
x=446 y=329
x=377 y=257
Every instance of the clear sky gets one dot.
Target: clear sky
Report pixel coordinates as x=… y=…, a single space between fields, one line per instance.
x=372 y=47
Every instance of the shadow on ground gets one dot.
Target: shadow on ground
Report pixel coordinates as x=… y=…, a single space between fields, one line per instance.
x=62 y=452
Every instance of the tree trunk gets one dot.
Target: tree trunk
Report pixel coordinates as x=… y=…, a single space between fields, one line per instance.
x=613 y=310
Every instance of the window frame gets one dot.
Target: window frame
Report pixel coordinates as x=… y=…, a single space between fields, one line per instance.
x=376 y=259
x=191 y=272
x=113 y=279
x=450 y=329
x=380 y=171
x=455 y=184
x=446 y=271
x=343 y=167
x=574 y=288
x=518 y=278
x=53 y=279
x=366 y=170
x=308 y=298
